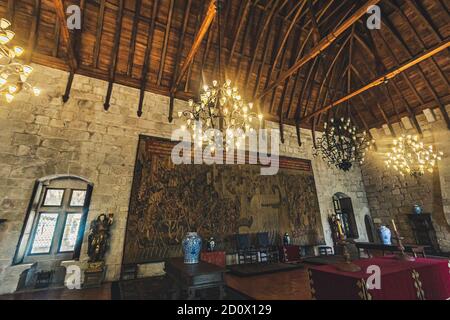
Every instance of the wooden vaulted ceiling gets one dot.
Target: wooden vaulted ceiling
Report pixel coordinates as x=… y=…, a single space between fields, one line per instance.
x=267 y=49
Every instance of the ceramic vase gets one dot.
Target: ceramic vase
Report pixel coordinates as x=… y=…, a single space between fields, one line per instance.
x=192 y=245
x=386 y=235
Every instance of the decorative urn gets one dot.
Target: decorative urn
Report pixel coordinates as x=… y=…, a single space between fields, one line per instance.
x=418 y=209
x=286 y=239
x=211 y=244
x=386 y=235
x=192 y=244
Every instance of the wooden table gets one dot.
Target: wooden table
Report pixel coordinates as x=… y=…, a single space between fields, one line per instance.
x=191 y=278
x=367 y=246
x=422 y=279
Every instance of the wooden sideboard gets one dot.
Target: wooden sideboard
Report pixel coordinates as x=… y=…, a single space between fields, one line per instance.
x=191 y=278
x=424 y=232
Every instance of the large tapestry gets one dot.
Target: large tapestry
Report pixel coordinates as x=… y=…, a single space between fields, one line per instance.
x=219 y=201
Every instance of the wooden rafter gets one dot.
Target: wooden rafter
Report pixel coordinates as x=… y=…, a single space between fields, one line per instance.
x=198 y=22
x=166 y=40
x=115 y=52
x=32 y=39
x=98 y=32
x=147 y=57
x=178 y=57
x=11 y=11
x=242 y=14
x=209 y=18
x=409 y=64
x=134 y=32
x=321 y=46
x=419 y=68
x=60 y=12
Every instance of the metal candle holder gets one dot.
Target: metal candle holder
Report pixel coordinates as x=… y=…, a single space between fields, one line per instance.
x=347 y=265
x=402 y=255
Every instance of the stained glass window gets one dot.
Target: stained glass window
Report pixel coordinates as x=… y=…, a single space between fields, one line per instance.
x=44 y=233
x=70 y=234
x=54 y=197
x=77 y=199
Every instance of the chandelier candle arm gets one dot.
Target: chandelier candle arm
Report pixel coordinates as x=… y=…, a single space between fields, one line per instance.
x=409 y=156
x=13 y=74
x=341 y=145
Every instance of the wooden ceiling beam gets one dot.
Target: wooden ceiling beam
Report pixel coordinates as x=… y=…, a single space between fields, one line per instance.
x=98 y=33
x=419 y=70
x=247 y=33
x=321 y=46
x=276 y=47
x=134 y=31
x=315 y=26
x=390 y=75
x=209 y=18
x=411 y=114
x=242 y=14
x=187 y=11
x=419 y=38
x=11 y=11
x=262 y=32
x=166 y=41
x=296 y=18
x=147 y=57
x=198 y=22
x=115 y=54
x=298 y=113
x=34 y=29
x=61 y=15
x=299 y=54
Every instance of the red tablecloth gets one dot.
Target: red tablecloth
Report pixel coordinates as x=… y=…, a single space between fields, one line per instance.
x=289 y=253
x=217 y=258
x=400 y=280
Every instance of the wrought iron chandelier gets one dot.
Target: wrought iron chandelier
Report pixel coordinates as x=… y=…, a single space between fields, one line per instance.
x=341 y=145
x=13 y=74
x=220 y=107
x=409 y=156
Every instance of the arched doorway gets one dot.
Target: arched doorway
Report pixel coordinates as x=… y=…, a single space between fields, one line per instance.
x=343 y=208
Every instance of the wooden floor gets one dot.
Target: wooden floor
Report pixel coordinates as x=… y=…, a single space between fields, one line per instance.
x=102 y=293
x=290 y=285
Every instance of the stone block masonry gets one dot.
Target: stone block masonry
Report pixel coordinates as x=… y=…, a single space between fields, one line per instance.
x=391 y=196
x=41 y=136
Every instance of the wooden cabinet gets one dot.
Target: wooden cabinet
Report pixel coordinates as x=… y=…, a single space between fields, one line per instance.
x=423 y=230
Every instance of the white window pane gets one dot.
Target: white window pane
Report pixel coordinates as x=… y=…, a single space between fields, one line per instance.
x=70 y=234
x=44 y=233
x=54 y=197
x=77 y=199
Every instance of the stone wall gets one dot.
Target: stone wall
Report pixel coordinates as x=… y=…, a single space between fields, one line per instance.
x=42 y=136
x=393 y=197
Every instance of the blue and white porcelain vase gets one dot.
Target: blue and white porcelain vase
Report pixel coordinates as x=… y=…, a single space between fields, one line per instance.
x=386 y=235
x=192 y=245
x=418 y=209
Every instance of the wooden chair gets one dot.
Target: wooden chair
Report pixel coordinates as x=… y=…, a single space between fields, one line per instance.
x=325 y=251
x=268 y=253
x=416 y=251
x=247 y=254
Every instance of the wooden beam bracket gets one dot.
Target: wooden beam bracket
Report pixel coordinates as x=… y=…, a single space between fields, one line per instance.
x=66 y=95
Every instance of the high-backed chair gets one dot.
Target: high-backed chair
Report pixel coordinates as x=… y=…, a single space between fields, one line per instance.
x=325 y=251
x=268 y=253
x=245 y=251
x=419 y=251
